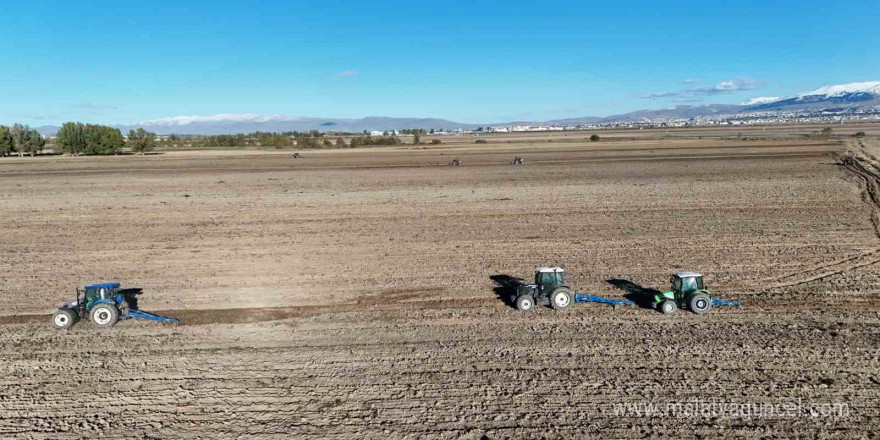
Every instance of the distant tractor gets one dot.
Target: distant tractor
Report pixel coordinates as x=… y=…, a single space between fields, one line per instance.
x=687 y=291
x=517 y=161
x=455 y=162
x=104 y=304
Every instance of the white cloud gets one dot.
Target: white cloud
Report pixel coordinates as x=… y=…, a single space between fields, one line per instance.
x=761 y=100
x=224 y=117
x=93 y=106
x=723 y=87
x=347 y=74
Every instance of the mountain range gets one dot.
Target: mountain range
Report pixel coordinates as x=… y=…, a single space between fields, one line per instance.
x=860 y=95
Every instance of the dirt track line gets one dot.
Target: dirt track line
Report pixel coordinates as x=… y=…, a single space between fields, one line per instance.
x=262 y=314
x=872 y=190
x=826 y=275
x=319 y=167
x=823 y=266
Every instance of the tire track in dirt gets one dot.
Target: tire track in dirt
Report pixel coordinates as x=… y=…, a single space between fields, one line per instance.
x=379 y=166
x=393 y=300
x=872 y=187
x=427 y=374
x=824 y=266
x=872 y=197
x=827 y=274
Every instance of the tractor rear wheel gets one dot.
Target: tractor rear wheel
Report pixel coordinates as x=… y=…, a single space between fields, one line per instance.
x=561 y=299
x=104 y=315
x=668 y=307
x=700 y=304
x=525 y=303
x=64 y=319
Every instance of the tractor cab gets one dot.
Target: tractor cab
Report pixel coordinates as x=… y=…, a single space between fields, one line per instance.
x=548 y=278
x=686 y=283
x=549 y=289
x=687 y=291
x=95 y=292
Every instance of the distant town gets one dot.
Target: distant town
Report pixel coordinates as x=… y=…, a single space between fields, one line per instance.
x=829 y=116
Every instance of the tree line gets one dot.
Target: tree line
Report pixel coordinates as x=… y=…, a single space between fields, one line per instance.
x=20 y=139
x=375 y=140
x=77 y=138
x=303 y=140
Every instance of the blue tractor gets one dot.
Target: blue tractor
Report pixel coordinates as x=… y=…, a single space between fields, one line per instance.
x=104 y=304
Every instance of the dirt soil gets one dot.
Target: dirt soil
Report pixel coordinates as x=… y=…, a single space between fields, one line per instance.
x=350 y=294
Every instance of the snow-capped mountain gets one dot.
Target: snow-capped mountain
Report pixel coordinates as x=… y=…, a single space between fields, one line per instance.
x=852 y=95
x=249 y=123
x=868 y=87
x=845 y=97
x=223 y=117
x=839 y=98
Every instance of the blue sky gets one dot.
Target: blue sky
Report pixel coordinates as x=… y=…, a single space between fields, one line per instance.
x=114 y=62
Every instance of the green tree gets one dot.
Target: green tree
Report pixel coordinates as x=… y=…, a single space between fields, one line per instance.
x=306 y=141
x=35 y=142
x=101 y=139
x=71 y=138
x=20 y=138
x=141 y=140
x=340 y=143
x=6 y=143
x=417 y=139
x=378 y=140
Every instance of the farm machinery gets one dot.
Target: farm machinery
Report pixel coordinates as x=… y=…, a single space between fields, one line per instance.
x=550 y=289
x=104 y=304
x=687 y=291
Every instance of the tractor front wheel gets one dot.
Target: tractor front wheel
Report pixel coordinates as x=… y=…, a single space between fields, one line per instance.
x=64 y=319
x=668 y=307
x=700 y=303
x=525 y=303
x=561 y=299
x=104 y=315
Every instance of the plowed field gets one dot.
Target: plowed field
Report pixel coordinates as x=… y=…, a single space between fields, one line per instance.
x=350 y=294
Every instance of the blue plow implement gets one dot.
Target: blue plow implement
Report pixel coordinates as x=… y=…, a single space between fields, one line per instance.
x=586 y=297
x=138 y=314
x=716 y=302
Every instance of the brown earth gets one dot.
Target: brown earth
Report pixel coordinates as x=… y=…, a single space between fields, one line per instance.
x=347 y=294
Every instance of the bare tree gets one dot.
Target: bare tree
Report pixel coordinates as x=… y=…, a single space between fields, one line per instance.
x=141 y=140
x=20 y=138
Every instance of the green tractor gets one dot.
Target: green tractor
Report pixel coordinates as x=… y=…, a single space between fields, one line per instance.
x=687 y=292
